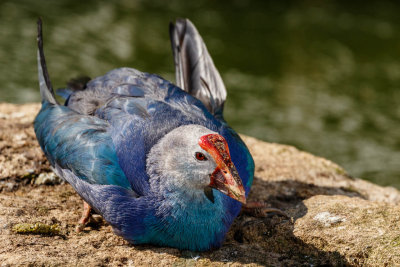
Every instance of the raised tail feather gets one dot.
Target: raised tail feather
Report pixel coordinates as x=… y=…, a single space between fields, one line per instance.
x=194 y=68
x=46 y=89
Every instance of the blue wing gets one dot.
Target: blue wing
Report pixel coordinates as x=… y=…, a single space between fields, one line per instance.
x=79 y=143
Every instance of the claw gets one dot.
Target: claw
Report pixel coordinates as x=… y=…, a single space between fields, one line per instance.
x=84 y=218
x=260 y=210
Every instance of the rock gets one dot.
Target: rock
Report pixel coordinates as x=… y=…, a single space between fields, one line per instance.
x=49 y=178
x=327 y=219
x=20 y=155
x=336 y=219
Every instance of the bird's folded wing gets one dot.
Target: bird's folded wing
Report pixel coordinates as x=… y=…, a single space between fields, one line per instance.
x=79 y=143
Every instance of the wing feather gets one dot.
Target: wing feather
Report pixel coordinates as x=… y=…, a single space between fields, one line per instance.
x=79 y=143
x=194 y=68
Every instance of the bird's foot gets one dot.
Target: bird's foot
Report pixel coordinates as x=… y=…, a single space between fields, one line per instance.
x=260 y=210
x=84 y=218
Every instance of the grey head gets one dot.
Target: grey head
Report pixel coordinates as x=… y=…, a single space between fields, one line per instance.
x=177 y=162
x=189 y=160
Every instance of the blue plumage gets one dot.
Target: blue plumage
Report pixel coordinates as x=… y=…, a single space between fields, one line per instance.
x=103 y=142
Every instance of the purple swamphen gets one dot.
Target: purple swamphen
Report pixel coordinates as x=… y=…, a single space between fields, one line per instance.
x=156 y=160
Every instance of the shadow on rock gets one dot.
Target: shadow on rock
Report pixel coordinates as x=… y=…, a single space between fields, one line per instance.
x=271 y=240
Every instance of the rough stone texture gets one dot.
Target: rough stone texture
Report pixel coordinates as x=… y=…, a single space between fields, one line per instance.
x=336 y=219
x=20 y=155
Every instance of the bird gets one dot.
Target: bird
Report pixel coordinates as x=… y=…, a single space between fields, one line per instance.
x=155 y=159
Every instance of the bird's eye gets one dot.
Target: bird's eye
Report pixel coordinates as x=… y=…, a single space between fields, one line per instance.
x=200 y=156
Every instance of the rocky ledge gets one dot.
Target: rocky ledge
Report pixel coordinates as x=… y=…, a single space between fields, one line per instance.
x=335 y=219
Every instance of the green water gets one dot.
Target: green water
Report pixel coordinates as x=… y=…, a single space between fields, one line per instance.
x=323 y=76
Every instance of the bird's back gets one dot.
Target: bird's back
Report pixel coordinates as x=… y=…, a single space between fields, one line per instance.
x=140 y=109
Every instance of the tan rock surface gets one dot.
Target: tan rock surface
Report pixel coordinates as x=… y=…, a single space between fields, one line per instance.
x=20 y=155
x=336 y=219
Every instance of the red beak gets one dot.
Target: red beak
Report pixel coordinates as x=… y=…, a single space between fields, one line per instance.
x=225 y=177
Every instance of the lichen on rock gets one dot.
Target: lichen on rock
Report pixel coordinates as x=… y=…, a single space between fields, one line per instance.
x=36 y=229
